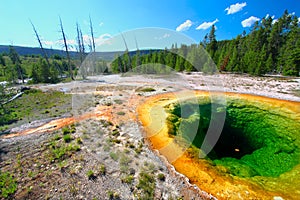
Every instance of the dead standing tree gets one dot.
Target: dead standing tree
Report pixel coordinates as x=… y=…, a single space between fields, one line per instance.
x=137 y=53
x=81 y=51
x=41 y=45
x=97 y=69
x=66 y=49
x=80 y=43
x=127 y=65
x=92 y=35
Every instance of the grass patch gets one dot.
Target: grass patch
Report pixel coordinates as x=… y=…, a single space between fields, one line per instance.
x=34 y=105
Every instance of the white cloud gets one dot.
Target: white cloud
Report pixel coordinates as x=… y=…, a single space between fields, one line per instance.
x=103 y=39
x=86 y=39
x=48 y=43
x=71 y=44
x=250 y=21
x=206 y=25
x=166 y=35
x=185 y=26
x=234 y=8
x=98 y=40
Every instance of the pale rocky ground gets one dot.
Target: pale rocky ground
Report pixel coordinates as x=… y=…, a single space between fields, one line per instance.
x=116 y=101
x=274 y=87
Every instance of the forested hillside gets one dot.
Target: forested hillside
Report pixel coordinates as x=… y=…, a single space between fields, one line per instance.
x=272 y=46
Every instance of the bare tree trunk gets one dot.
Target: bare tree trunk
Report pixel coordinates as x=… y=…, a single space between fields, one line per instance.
x=79 y=43
x=41 y=45
x=126 y=52
x=92 y=34
x=66 y=49
x=137 y=53
x=82 y=44
x=90 y=45
x=81 y=50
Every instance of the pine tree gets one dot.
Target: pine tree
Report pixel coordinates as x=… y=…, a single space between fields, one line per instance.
x=3 y=65
x=261 y=58
x=212 y=45
x=16 y=71
x=269 y=63
x=35 y=74
x=291 y=55
x=45 y=72
x=233 y=60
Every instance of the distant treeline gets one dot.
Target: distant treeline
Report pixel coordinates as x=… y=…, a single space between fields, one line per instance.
x=272 y=46
x=35 y=51
x=15 y=68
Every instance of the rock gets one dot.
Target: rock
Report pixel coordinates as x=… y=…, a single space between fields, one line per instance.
x=131 y=171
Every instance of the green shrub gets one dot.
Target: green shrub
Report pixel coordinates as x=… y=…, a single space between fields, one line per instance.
x=90 y=174
x=66 y=130
x=59 y=152
x=127 y=179
x=161 y=177
x=67 y=138
x=79 y=140
x=71 y=148
x=113 y=195
x=102 y=169
x=8 y=184
x=57 y=137
x=147 y=185
x=115 y=132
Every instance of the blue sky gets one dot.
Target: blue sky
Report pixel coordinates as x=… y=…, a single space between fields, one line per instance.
x=192 y=18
